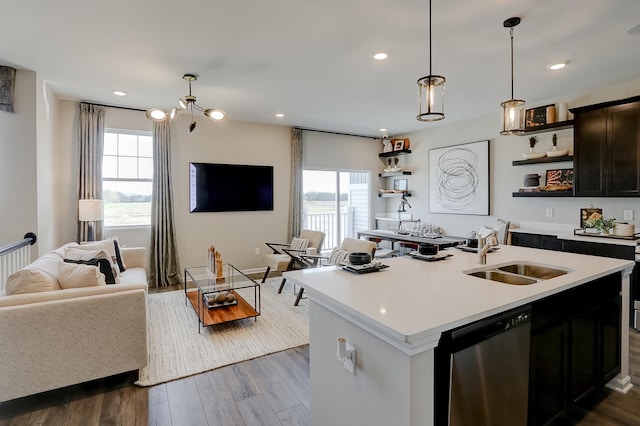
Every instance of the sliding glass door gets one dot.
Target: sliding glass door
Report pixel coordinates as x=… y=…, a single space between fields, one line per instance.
x=335 y=202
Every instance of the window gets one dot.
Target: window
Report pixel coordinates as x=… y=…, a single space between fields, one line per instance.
x=338 y=216
x=127 y=175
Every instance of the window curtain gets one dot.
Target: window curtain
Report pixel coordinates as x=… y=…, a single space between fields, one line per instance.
x=295 y=212
x=90 y=145
x=164 y=265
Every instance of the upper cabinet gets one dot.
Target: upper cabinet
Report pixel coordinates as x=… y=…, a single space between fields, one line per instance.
x=607 y=149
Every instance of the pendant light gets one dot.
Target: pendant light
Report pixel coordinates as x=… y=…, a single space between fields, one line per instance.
x=513 y=110
x=188 y=103
x=431 y=90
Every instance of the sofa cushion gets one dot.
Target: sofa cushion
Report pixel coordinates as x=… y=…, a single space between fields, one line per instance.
x=30 y=280
x=133 y=276
x=41 y=275
x=72 y=275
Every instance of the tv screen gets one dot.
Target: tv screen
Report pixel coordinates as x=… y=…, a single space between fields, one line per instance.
x=230 y=187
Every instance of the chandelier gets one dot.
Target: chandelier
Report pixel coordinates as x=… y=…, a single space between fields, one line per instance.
x=188 y=103
x=431 y=91
x=513 y=110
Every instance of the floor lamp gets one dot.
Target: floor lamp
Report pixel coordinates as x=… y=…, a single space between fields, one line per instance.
x=90 y=211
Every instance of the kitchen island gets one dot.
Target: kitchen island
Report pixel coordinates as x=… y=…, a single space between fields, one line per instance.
x=394 y=318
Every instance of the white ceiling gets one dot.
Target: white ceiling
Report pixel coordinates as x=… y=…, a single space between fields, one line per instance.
x=312 y=60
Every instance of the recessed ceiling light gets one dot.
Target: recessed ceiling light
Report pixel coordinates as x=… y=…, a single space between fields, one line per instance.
x=119 y=93
x=383 y=130
x=380 y=56
x=557 y=66
x=279 y=115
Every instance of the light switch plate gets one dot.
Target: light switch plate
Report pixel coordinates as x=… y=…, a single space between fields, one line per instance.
x=628 y=215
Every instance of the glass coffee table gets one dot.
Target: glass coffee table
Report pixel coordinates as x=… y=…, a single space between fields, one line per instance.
x=217 y=300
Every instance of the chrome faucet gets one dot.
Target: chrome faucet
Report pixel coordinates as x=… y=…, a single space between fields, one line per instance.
x=486 y=240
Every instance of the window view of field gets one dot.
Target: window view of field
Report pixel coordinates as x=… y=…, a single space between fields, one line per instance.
x=127 y=203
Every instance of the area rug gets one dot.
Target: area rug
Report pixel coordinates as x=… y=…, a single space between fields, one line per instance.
x=177 y=350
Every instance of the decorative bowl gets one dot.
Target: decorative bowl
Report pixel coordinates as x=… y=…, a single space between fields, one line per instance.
x=533 y=155
x=557 y=153
x=359 y=258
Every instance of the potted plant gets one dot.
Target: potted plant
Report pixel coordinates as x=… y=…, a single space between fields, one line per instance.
x=600 y=223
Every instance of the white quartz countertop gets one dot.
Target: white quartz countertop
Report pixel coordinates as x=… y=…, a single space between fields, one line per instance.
x=410 y=303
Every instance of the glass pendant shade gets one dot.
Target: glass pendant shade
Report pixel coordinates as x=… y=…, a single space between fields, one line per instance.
x=431 y=103
x=513 y=115
x=513 y=110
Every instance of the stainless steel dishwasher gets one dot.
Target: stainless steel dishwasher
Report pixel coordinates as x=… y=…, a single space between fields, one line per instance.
x=482 y=371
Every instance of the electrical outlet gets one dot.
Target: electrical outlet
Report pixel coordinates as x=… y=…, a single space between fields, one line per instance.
x=628 y=215
x=257 y=250
x=549 y=212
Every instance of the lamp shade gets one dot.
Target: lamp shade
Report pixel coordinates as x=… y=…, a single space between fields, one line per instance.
x=90 y=210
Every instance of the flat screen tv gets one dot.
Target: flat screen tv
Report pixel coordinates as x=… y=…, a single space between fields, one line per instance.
x=230 y=187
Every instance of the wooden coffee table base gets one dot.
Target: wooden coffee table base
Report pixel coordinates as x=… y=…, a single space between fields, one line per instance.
x=224 y=313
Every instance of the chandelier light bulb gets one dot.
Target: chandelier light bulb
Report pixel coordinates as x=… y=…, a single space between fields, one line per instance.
x=156 y=114
x=215 y=114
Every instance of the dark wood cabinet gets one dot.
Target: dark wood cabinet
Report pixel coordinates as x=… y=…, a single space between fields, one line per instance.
x=575 y=347
x=607 y=149
x=547 y=242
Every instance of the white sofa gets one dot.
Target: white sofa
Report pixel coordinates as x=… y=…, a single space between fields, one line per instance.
x=56 y=338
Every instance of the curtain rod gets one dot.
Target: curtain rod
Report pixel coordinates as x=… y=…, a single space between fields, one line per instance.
x=339 y=133
x=113 y=106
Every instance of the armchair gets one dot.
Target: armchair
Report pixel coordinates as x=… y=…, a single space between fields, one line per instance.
x=285 y=257
x=337 y=256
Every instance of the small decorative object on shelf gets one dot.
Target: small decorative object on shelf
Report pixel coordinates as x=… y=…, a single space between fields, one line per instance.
x=555 y=152
x=539 y=116
x=532 y=153
x=563 y=111
x=214 y=264
x=387 y=145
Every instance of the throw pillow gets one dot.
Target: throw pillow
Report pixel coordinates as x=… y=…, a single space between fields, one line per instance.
x=103 y=265
x=299 y=243
x=108 y=246
x=75 y=276
x=77 y=253
x=338 y=256
x=30 y=281
x=119 y=259
x=502 y=231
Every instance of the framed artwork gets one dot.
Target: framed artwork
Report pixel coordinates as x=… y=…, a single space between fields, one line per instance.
x=459 y=179
x=398 y=145
x=400 y=184
x=535 y=117
x=559 y=177
x=586 y=213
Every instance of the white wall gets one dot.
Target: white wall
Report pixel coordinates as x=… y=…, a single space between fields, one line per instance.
x=235 y=234
x=506 y=178
x=18 y=163
x=327 y=151
x=48 y=160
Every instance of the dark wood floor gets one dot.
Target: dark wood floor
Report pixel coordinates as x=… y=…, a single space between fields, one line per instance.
x=271 y=390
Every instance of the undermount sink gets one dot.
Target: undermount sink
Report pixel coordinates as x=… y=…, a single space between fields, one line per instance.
x=494 y=275
x=518 y=273
x=532 y=270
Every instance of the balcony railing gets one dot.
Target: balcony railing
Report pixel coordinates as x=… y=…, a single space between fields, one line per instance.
x=328 y=223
